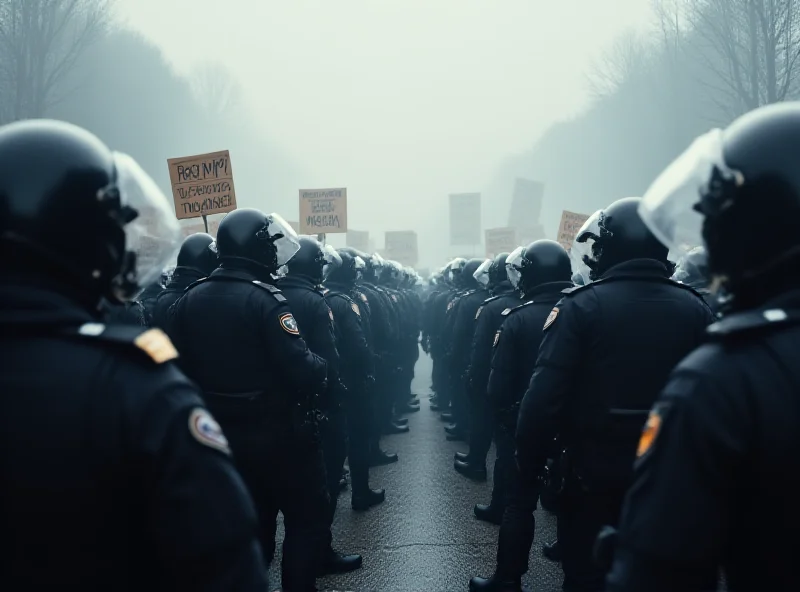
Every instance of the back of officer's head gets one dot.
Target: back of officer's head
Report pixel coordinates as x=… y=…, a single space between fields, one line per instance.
x=87 y=219
x=497 y=272
x=250 y=239
x=345 y=274
x=467 y=276
x=309 y=260
x=543 y=262
x=622 y=236
x=198 y=253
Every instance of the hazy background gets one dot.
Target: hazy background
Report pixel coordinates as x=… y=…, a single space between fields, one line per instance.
x=403 y=102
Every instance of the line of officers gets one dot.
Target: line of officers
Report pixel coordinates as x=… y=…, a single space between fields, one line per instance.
x=653 y=407
x=128 y=465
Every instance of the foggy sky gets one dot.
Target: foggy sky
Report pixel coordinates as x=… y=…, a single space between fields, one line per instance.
x=402 y=102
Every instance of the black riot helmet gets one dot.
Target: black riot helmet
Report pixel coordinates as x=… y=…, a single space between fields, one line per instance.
x=75 y=211
x=198 y=253
x=347 y=273
x=737 y=192
x=541 y=262
x=497 y=272
x=467 y=277
x=314 y=260
x=618 y=235
x=253 y=238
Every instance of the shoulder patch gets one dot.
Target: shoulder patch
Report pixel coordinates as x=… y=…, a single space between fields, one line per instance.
x=157 y=345
x=478 y=312
x=551 y=318
x=450 y=304
x=505 y=312
x=651 y=430
x=289 y=324
x=362 y=296
x=272 y=290
x=394 y=298
x=355 y=308
x=206 y=430
x=330 y=314
x=496 y=337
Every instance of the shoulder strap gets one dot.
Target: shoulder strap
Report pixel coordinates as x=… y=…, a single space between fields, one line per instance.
x=638 y=278
x=152 y=342
x=746 y=322
x=508 y=311
x=275 y=292
x=492 y=299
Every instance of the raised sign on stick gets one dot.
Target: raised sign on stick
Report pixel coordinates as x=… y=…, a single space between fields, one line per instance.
x=202 y=185
x=323 y=211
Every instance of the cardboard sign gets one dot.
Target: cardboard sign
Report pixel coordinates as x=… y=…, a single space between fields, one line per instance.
x=500 y=240
x=323 y=211
x=526 y=206
x=465 y=219
x=358 y=239
x=568 y=229
x=202 y=184
x=401 y=246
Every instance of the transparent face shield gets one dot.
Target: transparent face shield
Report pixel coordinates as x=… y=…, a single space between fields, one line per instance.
x=332 y=261
x=283 y=237
x=481 y=274
x=153 y=237
x=514 y=266
x=667 y=207
x=692 y=269
x=582 y=247
x=360 y=266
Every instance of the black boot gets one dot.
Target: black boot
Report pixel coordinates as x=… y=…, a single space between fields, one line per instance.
x=496 y=584
x=446 y=417
x=476 y=473
x=380 y=458
x=489 y=514
x=462 y=456
x=364 y=500
x=401 y=421
x=408 y=408
x=393 y=428
x=334 y=562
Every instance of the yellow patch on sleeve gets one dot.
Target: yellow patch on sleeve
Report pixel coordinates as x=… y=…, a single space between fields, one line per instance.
x=649 y=433
x=355 y=308
x=551 y=318
x=363 y=297
x=157 y=345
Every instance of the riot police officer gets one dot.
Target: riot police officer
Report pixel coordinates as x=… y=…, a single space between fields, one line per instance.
x=357 y=373
x=115 y=476
x=540 y=272
x=723 y=435
x=197 y=258
x=302 y=286
x=606 y=351
x=488 y=318
x=241 y=344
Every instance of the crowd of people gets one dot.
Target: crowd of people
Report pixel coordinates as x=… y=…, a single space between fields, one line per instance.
x=155 y=422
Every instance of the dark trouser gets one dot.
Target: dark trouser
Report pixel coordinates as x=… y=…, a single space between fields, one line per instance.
x=518 y=526
x=385 y=398
x=334 y=451
x=481 y=425
x=459 y=400
x=441 y=379
x=359 y=420
x=504 y=465
x=284 y=471
x=581 y=515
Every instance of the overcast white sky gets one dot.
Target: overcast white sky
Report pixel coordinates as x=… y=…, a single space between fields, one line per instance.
x=397 y=100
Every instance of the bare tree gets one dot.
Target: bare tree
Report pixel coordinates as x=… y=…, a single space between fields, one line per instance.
x=40 y=43
x=750 y=49
x=627 y=58
x=215 y=88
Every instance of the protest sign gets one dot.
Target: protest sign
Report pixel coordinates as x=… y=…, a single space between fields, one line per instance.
x=401 y=246
x=323 y=211
x=465 y=219
x=568 y=228
x=202 y=184
x=359 y=240
x=500 y=240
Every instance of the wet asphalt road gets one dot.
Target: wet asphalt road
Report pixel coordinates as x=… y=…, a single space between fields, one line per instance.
x=424 y=537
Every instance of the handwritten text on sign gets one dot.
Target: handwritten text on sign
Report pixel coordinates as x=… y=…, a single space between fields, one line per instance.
x=568 y=229
x=202 y=184
x=323 y=211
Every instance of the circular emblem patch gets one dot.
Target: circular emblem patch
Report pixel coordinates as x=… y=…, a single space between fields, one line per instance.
x=288 y=324
x=206 y=430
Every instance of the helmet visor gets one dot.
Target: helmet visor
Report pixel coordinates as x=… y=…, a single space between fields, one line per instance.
x=332 y=261
x=154 y=236
x=581 y=249
x=481 y=274
x=667 y=207
x=514 y=266
x=283 y=237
